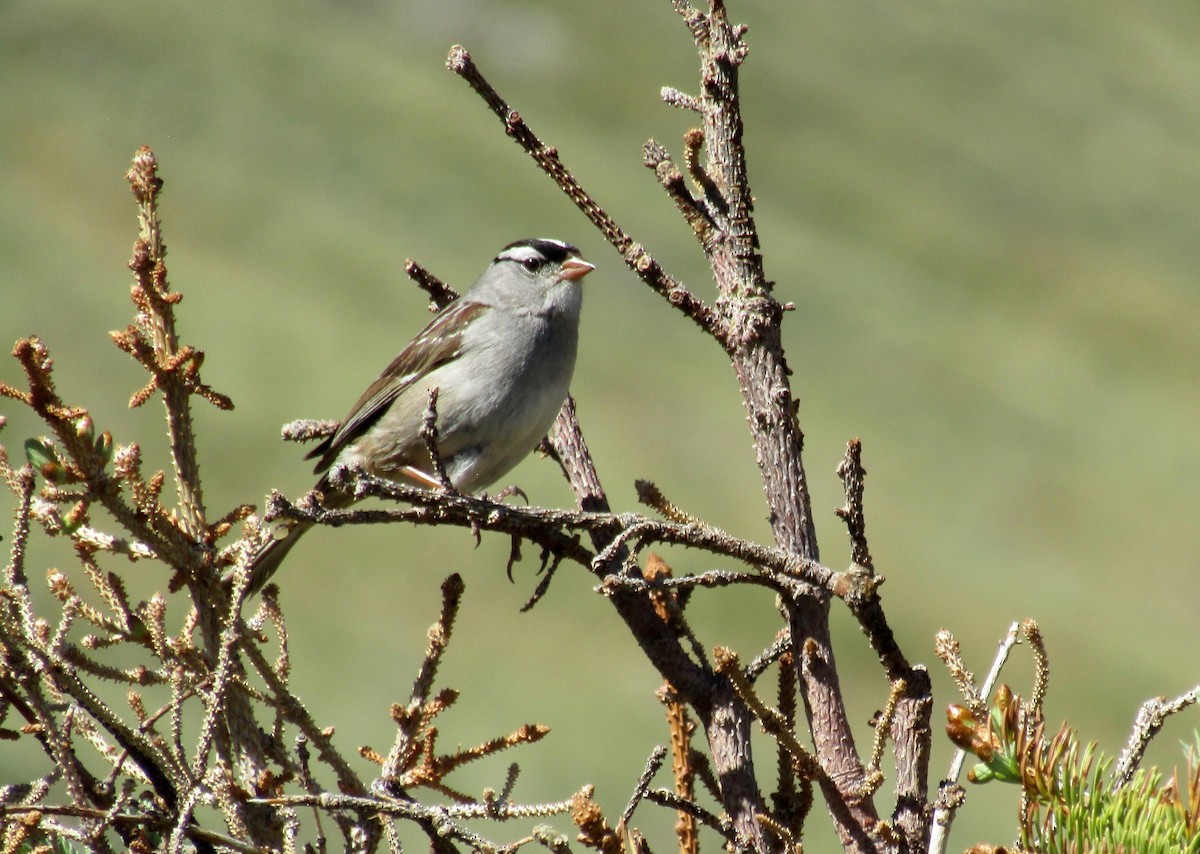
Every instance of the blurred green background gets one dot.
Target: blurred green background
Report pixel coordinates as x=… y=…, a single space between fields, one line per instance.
x=986 y=214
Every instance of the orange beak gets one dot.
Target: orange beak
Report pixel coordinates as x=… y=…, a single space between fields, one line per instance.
x=575 y=268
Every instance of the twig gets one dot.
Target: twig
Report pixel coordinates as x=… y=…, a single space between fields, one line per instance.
x=176 y=369
x=165 y=776
x=674 y=98
x=415 y=714
x=1150 y=719
x=439 y=638
x=779 y=647
x=792 y=802
x=635 y=255
x=649 y=494
x=680 y=727
x=440 y=294
x=667 y=798
x=853 y=475
x=693 y=145
x=550 y=839
x=712 y=578
x=883 y=727
x=753 y=341
x=146 y=520
x=948 y=800
x=653 y=764
x=772 y=722
x=429 y=434
x=216 y=708
x=295 y=712
x=695 y=212
x=502 y=811
x=911 y=708
x=222 y=672
x=1041 y=665
x=131 y=819
x=15 y=579
x=440 y=818
x=911 y=742
x=307 y=430
x=548 y=527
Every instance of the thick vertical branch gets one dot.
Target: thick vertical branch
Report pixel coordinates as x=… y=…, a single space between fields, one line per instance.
x=753 y=316
x=753 y=319
x=725 y=720
x=912 y=736
x=746 y=320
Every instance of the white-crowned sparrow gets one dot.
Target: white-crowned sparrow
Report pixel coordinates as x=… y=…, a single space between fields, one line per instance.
x=501 y=358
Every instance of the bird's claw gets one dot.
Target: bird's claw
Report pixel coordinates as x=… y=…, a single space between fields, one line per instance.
x=510 y=491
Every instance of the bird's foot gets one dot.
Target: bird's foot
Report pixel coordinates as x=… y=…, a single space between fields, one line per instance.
x=509 y=492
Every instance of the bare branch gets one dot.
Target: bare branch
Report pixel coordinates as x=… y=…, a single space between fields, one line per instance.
x=306 y=430
x=773 y=723
x=674 y=98
x=948 y=800
x=1150 y=719
x=440 y=294
x=1041 y=664
x=175 y=368
x=653 y=764
x=549 y=527
x=669 y=799
x=429 y=434
x=853 y=475
x=635 y=255
x=656 y=158
x=680 y=726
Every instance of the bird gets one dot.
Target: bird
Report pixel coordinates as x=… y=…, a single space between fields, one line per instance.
x=501 y=359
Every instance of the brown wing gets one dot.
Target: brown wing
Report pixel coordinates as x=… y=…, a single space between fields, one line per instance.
x=439 y=343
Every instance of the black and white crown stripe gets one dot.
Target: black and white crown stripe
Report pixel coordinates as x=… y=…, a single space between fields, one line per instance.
x=554 y=251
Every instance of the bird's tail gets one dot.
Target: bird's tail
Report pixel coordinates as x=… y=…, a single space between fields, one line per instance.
x=287 y=533
x=264 y=564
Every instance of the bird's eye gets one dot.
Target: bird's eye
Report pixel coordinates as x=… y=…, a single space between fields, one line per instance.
x=533 y=264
